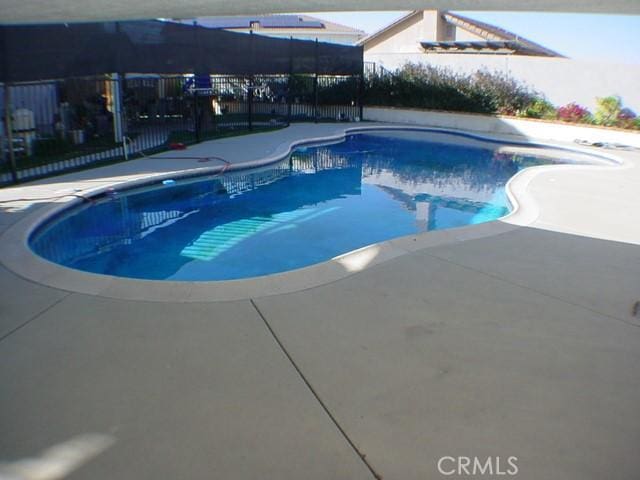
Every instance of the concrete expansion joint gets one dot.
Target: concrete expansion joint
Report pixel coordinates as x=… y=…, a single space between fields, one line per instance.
x=313 y=392
x=35 y=317
x=634 y=309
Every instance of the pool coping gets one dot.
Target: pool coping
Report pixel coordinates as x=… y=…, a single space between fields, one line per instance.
x=19 y=258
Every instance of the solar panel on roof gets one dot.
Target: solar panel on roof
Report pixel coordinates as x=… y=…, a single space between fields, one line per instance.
x=224 y=22
x=289 y=21
x=270 y=21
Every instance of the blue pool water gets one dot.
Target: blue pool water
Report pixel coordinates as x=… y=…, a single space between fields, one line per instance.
x=318 y=203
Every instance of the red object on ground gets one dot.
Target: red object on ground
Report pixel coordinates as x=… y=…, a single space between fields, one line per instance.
x=177 y=146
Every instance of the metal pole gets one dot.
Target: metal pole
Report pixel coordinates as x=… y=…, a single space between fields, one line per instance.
x=8 y=113
x=250 y=91
x=361 y=92
x=8 y=124
x=289 y=81
x=196 y=113
x=315 y=87
x=199 y=69
x=116 y=106
x=250 y=102
x=116 y=89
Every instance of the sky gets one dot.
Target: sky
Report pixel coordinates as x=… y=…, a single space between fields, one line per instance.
x=607 y=38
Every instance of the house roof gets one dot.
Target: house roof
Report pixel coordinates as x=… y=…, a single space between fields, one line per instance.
x=377 y=33
x=336 y=27
x=491 y=33
x=267 y=22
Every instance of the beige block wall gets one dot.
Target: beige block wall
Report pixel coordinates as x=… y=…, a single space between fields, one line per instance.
x=531 y=129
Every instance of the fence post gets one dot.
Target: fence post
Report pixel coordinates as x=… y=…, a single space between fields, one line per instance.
x=8 y=114
x=116 y=106
x=361 y=93
x=196 y=114
x=315 y=86
x=117 y=111
x=250 y=89
x=8 y=125
x=199 y=69
x=250 y=102
x=290 y=81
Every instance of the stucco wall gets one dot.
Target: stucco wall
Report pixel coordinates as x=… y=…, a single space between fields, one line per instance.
x=540 y=130
x=562 y=80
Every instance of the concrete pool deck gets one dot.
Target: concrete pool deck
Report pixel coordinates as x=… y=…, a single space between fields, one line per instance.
x=523 y=341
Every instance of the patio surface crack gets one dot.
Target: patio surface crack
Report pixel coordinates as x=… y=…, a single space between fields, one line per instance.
x=353 y=446
x=24 y=324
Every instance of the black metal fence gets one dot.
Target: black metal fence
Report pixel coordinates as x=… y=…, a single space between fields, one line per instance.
x=56 y=126
x=375 y=70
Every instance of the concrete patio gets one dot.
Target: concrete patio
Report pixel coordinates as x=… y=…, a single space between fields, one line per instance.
x=520 y=342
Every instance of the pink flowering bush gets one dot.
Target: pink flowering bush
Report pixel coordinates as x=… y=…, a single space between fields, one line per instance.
x=573 y=112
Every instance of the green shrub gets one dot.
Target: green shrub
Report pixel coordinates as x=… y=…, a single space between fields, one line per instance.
x=540 y=108
x=607 y=110
x=339 y=92
x=428 y=87
x=509 y=96
x=420 y=86
x=424 y=86
x=301 y=88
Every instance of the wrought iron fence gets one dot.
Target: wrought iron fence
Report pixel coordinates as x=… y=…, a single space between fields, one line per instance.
x=56 y=126
x=375 y=70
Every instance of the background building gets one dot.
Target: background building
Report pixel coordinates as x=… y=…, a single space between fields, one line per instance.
x=445 y=39
x=432 y=32
x=302 y=27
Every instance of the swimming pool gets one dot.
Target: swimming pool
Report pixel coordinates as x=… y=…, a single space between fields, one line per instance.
x=318 y=203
